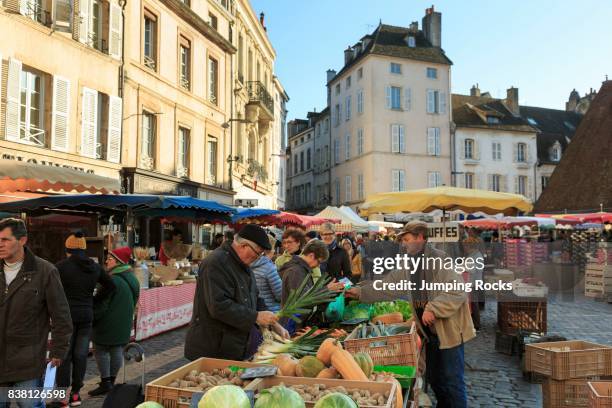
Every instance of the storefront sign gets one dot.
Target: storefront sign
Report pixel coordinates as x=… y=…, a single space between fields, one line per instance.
x=149 y=185
x=443 y=232
x=33 y=160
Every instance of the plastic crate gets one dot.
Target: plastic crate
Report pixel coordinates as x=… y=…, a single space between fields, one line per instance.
x=564 y=360
x=505 y=343
x=399 y=349
x=522 y=314
x=600 y=394
x=565 y=394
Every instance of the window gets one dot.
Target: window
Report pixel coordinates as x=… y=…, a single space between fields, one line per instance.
x=434 y=179
x=336 y=151
x=395 y=68
x=495 y=182
x=348 y=82
x=348 y=196
x=337 y=89
x=185 y=63
x=348 y=107
x=545 y=181
x=31 y=127
x=212 y=161
x=360 y=73
x=433 y=141
x=295 y=164
x=150 y=40
x=492 y=120
x=521 y=185
x=308 y=159
x=394 y=97
x=250 y=65
x=432 y=73
x=360 y=101
x=469 y=180
x=213 y=80
x=398 y=180
x=212 y=20
x=302 y=160
x=182 y=168
x=347 y=146
x=147 y=147
x=359 y=141
x=496 y=149
x=468 y=145
x=337 y=115
x=436 y=102
x=555 y=153
x=521 y=152
x=411 y=42
x=360 y=186
x=337 y=191
x=397 y=139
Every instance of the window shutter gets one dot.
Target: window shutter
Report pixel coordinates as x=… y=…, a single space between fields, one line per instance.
x=113 y=149
x=402 y=139
x=438 y=178
x=442 y=102
x=503 y=184
x=61 y=114
x=89 y=123
x=493 y=157
x=515 y=152
x=395 y=180
x=12 y=121
x=516 y=184
x=84 y=8
x=431 y=142
x=462 y=149
x=115 y=31
x=407 y=99
x=388 y=94
x=490 y=182
x=431 y=179
x=437 y=140
x=394 y=138
x=15 y=6
x=527 y=155
x=402 y=180
x=529 y=192
x=431 y=101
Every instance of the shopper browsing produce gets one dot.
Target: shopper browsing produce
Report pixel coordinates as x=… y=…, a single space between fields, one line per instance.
x=339 y=264
x=226 y=304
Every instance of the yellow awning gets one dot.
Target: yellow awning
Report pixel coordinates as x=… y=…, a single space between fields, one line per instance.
x=446 y=198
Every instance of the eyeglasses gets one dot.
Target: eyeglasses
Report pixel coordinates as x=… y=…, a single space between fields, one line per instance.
x=289 y=241
x=254 y=250
x=327 y=234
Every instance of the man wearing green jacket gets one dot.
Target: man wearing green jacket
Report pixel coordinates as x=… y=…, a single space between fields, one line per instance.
x=113 y=318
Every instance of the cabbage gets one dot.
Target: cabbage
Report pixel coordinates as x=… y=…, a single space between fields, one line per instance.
x=150 y=404
x=336 y=400
x=225 y=396
x=356 y=310
x=279 y=397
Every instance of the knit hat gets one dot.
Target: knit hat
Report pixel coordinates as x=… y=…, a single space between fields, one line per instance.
x=256 y=234
x=76 y=242
x=122 y=254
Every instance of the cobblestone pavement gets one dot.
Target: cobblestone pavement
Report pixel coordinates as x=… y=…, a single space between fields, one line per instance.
x=493 y=379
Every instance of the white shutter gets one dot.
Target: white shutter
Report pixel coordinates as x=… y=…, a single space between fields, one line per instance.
x=395 y=180
x=89 y=123
x=431 y=179
x=23 y=7
x=516 y=184
x=438 y=178
x=395 y=144
x=348 y=196
x=490 y=182
x=12 y=121
x=431 y=101
x=431 y=142
x=529 y=192
x=114 y=35
x=388 y=94
x=113 y=148
x=442 y=103
x=84 y=16
x=515 y=152
x=527 y=155
x=504 y=184
x=407 y=99
x=402 y=139
x=438 y=150
x=462 y=149
x=60 y=129
x=402 y=180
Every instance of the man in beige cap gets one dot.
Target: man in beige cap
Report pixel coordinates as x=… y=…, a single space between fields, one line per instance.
x=442 y=317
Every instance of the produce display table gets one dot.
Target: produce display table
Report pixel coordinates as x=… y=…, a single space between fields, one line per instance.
x=163 y=309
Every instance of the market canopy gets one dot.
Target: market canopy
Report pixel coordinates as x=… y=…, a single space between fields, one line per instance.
x=251 y=213
x=447 y=199
x=283 y=218
x=598 y=217
x=349 y=221
x=21 y=176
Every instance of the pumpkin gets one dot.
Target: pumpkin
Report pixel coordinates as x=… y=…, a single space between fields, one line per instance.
x=346 y=365
x=328 y=373
x=326 y=349
x=365 y=363
x=286 y=365
x=389 y=318
x=308 y=366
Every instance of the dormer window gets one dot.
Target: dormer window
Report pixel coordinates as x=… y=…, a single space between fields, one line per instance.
x=492 y=120
x=411 y=41
x=532 y=121
x=555 y=153
x=569 y=125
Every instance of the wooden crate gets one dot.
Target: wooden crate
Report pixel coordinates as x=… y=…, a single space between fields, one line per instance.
x=376 y=387
x=600 y=394
x=170 y=397
x=400 y=349
x=564 y=360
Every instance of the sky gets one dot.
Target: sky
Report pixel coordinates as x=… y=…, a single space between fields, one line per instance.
x=545 y=48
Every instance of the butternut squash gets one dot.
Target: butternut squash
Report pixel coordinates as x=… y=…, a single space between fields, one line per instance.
x=346 y=365
x=389 y=318
x=326 y=349
x=286 y=364
x=328 y=373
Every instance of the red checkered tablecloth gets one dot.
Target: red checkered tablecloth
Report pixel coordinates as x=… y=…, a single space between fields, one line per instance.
x=163 y=309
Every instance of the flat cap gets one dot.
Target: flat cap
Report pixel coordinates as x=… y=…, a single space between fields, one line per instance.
x=415 y=228
x=256 y=234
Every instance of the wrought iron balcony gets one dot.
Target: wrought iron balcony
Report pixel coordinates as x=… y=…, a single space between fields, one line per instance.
x=259 y=95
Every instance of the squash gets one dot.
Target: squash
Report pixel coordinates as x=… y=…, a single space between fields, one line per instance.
x=286 y=364
x=326 y=349
x=365 y=363
x=389 y=318
x=308 y=366
x=328 y=373
x=346 y=365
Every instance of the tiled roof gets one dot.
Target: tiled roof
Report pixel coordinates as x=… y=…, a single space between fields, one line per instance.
x=471 y=111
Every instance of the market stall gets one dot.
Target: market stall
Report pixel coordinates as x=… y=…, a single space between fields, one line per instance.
x=349 y=221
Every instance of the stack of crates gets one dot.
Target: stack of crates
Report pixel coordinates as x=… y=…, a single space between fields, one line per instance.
x=568 y=366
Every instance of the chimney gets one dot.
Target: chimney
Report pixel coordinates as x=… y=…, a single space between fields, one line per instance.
x=432 y=26
x=475 y=91
x=357 y=49
x=512 y=101
x=414 y=26
x=348 y=55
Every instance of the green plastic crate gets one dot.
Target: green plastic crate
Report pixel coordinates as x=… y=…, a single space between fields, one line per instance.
x=404 y=374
